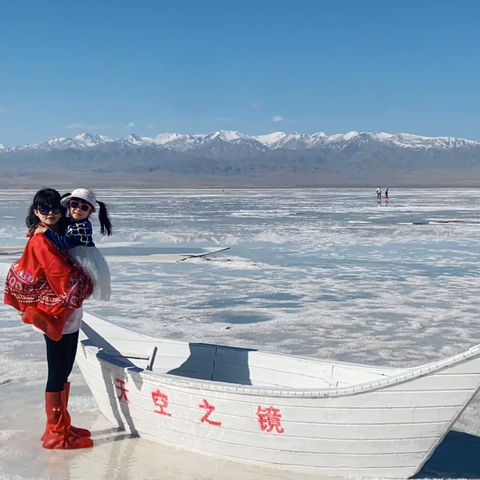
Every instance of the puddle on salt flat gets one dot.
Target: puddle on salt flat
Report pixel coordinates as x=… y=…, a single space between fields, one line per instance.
x=240 y=317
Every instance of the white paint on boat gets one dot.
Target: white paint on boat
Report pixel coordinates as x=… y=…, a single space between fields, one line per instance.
x=314 y=416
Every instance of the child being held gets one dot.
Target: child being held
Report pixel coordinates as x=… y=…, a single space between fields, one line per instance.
x=78 y=238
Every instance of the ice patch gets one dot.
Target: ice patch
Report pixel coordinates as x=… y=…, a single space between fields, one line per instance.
x=234 y=263
x=262 y=214
x=6 y=435
x=82 y=404
x=271 y=237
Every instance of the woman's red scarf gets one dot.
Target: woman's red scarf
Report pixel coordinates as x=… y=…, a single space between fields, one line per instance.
x=46 y=278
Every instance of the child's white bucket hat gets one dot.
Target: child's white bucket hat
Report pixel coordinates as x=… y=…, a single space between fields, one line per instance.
x=82 y=194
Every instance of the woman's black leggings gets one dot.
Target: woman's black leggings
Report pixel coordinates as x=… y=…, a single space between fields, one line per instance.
x=60 y=358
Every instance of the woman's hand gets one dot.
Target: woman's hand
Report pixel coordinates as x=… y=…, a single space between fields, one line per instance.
x=40 y=229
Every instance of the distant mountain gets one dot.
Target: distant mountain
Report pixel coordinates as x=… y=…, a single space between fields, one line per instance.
x=276 y=158
x=177 y=141
x=271 y=138
x=82 y=141
x=274 y=141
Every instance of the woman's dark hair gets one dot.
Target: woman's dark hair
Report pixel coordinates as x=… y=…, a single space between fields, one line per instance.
x=46 y=196
x=65 y=220
x=105 y=224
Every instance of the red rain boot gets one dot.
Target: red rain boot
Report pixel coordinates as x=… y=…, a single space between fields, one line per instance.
x=45 y=322
x=81 y=432
x=57 y=433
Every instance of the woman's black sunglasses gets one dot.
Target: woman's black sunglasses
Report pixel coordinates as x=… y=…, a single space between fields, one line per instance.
x=46 y=209
x=83 y=206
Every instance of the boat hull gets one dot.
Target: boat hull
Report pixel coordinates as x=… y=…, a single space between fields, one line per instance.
x=388 y=431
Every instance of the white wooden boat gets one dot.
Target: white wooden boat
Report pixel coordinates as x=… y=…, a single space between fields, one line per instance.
x=313 y=416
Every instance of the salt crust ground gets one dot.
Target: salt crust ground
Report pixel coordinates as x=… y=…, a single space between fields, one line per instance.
x=310 y=272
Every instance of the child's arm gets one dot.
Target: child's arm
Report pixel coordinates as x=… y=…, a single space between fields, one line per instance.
x=76 y=234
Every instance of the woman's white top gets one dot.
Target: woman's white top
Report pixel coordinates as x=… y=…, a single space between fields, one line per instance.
x=73 y=324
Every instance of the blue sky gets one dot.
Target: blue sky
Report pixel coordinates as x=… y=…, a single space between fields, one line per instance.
x=112 y=67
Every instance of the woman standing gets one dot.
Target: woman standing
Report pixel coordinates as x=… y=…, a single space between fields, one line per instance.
x=49 y=289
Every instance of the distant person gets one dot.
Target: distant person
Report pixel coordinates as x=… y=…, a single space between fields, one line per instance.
x=379 y=194
x=386 y=195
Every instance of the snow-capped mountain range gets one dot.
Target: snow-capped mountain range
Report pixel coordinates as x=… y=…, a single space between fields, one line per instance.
x=291 y=141
x=278 y=158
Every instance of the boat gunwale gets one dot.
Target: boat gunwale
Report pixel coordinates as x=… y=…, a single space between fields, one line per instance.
x=407 y=375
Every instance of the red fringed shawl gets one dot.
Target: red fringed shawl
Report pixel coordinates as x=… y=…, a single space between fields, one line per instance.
x=46 y=278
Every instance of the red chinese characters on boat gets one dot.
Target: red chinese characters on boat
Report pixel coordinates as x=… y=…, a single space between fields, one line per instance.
x=210 y=409
x=269 y=418
x=123 y=391
x=161 y=402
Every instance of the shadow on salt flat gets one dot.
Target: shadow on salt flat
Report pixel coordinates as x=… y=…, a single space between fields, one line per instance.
x=456 y=457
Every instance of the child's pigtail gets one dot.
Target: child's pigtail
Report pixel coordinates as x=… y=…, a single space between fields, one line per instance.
x=105 y=224
x=65 y=218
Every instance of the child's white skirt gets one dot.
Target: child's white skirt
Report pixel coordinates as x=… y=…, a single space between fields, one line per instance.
x=94 y=263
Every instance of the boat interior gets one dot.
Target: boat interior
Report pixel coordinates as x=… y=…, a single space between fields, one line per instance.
x=219 y=363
